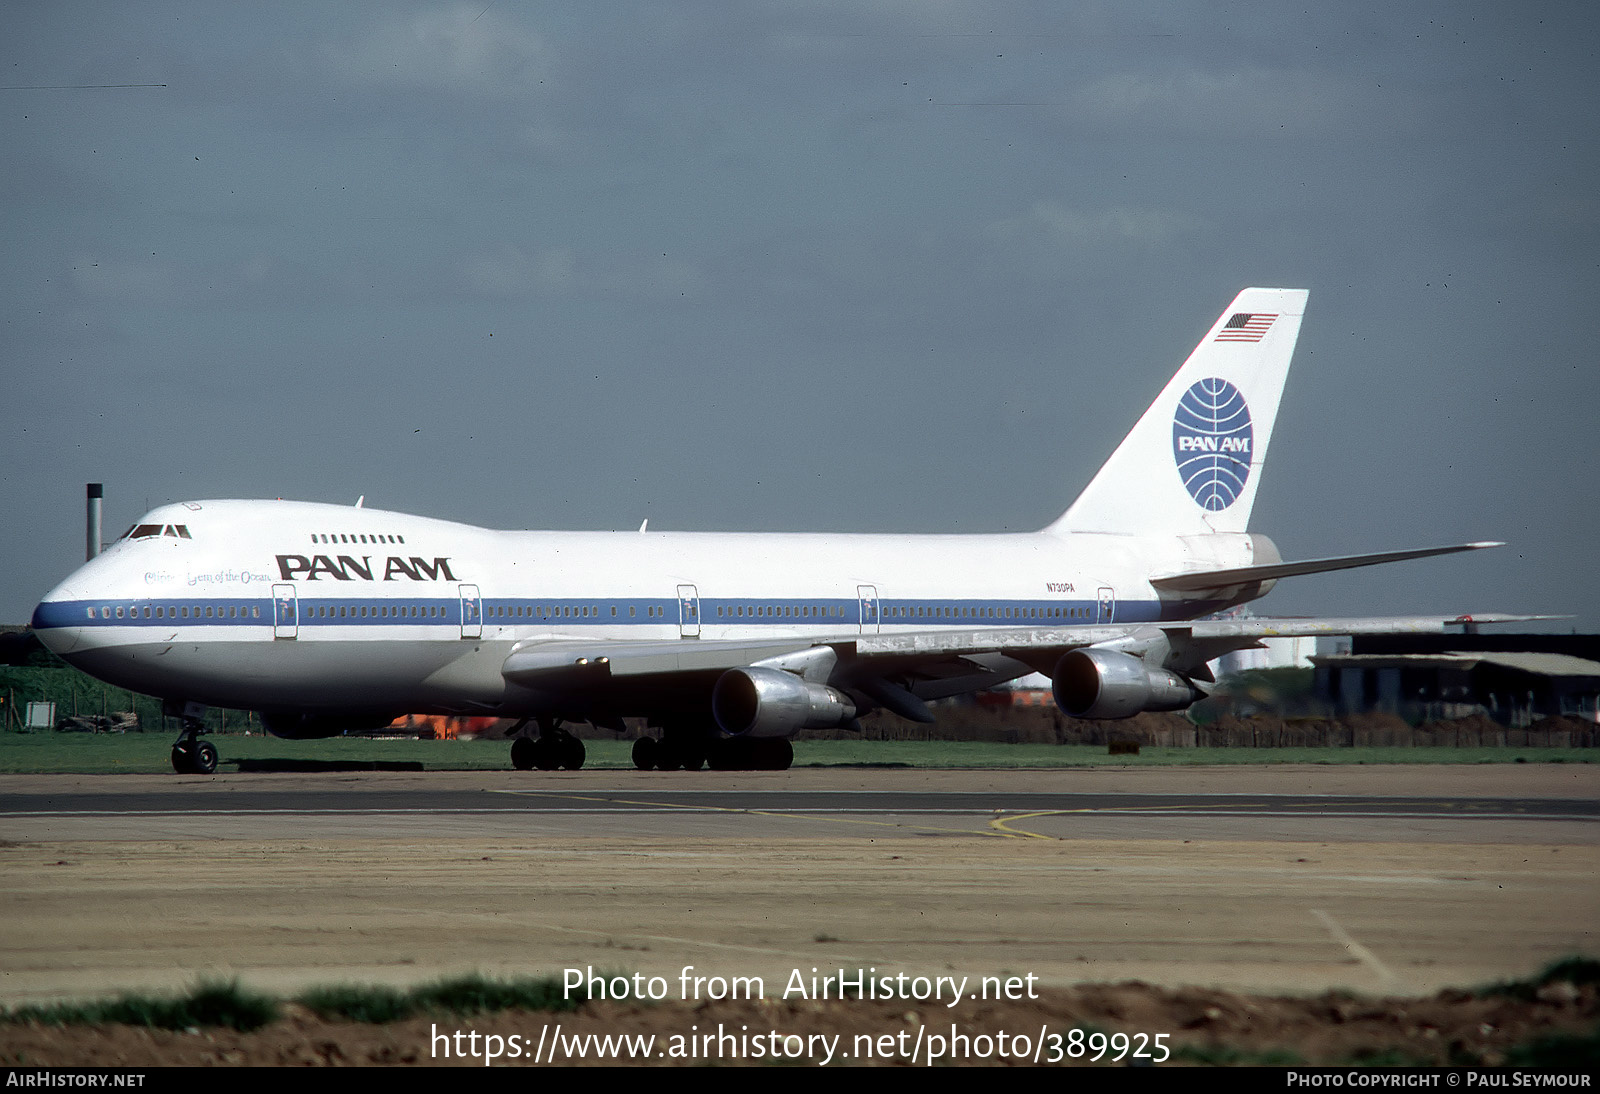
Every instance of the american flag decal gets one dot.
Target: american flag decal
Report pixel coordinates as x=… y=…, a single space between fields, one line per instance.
x=1242 y=326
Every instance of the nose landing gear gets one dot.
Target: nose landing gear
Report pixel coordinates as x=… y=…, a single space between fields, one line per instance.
x=191 y=755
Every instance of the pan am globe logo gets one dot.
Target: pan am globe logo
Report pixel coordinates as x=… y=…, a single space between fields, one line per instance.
x=1211 y=443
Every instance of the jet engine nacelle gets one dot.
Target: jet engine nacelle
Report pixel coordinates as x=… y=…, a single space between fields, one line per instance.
x=1093 y=683
x=307 y=727
x=758 y=702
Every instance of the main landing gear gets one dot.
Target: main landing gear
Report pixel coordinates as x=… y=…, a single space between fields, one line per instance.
x=675 y=751
x=554 y=749
x=679 y=748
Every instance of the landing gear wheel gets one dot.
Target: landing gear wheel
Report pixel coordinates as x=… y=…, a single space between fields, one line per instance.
x=684 y=746
x=572 y=752
x=693 y=756
x=758 y=755
x=523 y=753
x=776 y=755
x=668 y=755
x=205 y=758
x=731 y=755
x=645 y=753
x=191 y=755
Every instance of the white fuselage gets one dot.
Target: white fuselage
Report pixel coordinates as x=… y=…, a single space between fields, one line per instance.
x=301 y=606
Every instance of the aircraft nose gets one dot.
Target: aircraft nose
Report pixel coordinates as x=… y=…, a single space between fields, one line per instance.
x=56 y=623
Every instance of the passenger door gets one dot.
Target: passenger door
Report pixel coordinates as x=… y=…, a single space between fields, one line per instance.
x=285 y=612
x=867 y=601
x=688 y=612
x=1107 y=605
x=471 y=612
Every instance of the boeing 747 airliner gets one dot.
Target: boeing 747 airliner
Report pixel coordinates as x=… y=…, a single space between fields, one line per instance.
x=325 y=618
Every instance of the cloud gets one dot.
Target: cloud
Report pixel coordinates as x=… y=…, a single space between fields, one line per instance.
x=1244 y=105
x=257 y=280
x=118 y=280
x=463 y=49
x=510 y=272
x=1051 y=220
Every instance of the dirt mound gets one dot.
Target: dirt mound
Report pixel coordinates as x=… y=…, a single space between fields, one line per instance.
x=1201 y=1026
x=1562 y=724
x=1472 y=727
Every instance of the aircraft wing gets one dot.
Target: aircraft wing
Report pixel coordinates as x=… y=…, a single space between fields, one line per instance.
x=900 y=671
x=1189 y=644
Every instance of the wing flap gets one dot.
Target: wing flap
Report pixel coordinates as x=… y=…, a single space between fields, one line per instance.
x=535 y=663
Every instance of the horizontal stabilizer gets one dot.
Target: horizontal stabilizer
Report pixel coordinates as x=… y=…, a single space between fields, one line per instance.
x=1204 y=580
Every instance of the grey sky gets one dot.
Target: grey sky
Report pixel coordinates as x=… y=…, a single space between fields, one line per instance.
x=802 y=266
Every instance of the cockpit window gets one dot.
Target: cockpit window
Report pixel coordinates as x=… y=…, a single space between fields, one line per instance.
x=150 y=531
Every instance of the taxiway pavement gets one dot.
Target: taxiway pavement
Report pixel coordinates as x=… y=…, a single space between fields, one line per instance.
x=1300 y=878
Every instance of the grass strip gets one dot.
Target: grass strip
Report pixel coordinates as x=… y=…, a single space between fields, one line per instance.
x=457 y=997
x=149 y=753
x=1574 y=970
x=212 y=1004
x=207 y=1004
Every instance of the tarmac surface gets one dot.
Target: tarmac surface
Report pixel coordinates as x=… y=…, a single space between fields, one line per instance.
x=1381 y=880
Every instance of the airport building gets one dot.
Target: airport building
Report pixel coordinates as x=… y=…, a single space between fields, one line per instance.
x=1515 y=679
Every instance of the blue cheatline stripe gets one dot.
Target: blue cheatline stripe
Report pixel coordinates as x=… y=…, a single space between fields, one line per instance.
x=446 y=612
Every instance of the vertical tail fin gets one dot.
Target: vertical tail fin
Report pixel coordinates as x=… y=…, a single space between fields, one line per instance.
x=1192 y=463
